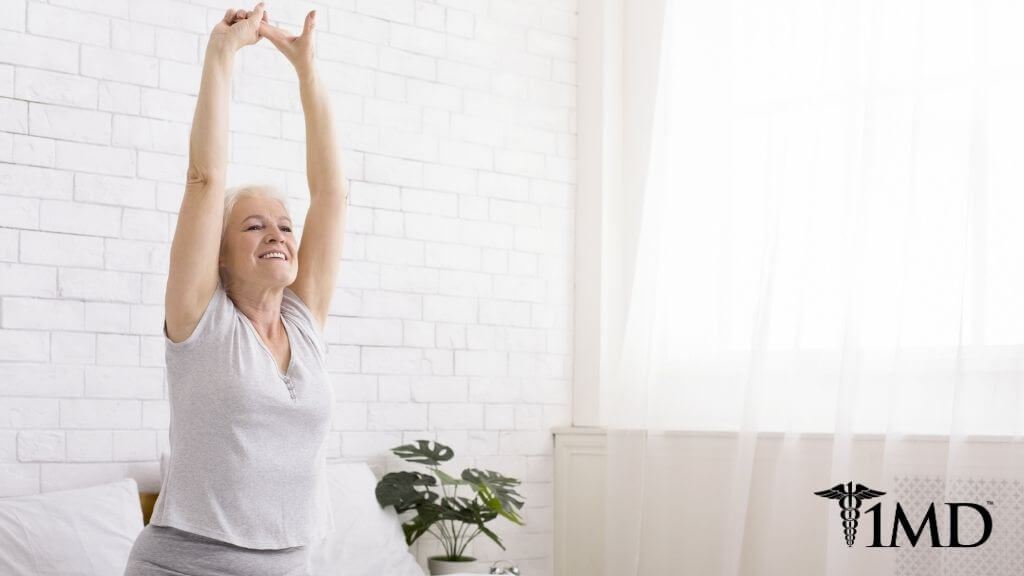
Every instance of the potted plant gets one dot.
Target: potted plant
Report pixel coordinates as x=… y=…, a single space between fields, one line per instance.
x=447 y=516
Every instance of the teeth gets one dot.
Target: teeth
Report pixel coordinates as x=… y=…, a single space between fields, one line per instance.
x=273 y=255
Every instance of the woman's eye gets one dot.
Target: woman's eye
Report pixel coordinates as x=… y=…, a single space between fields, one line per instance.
x=253 y=226
x=286 y=229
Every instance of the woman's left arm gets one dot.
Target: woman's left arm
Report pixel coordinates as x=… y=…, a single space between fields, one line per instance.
x=323 y=164
x=323 y=232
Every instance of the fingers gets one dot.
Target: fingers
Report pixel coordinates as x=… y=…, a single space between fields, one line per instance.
x=270 y=31
x=277 y=37
x=257 y=12
x=232 y=16
x=310 y=22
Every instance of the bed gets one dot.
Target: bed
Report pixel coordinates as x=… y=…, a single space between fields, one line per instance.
x=89 y=531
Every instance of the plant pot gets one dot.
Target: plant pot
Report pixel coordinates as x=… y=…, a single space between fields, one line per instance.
x=438 y=565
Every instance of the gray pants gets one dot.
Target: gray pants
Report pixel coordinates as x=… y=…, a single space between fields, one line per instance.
x=166 y=551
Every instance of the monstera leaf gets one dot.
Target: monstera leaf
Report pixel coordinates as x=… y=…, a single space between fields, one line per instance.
x=469 y=511
x=493 y=536
x=398 y=489
x=425 y=452
x=496 y=492
x=472 y=512
x=457 y=503
x=426 y=514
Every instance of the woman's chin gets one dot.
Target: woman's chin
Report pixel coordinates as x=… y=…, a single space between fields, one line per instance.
x=278 y=276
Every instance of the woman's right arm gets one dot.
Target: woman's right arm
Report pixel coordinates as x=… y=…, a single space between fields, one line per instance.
x=193 y=274
x=208 y=142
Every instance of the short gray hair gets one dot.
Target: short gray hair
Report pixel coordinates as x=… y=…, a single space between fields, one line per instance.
x=235 y=193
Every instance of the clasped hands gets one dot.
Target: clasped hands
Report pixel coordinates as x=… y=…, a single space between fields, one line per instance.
x=241 y=28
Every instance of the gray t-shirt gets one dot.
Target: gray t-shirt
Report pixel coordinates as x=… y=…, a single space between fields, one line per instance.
x=247 y=443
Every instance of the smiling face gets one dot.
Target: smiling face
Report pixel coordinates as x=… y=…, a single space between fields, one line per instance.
x=256 y=226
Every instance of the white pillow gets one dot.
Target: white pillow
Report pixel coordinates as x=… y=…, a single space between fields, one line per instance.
x=368 y=539
x=81 y=532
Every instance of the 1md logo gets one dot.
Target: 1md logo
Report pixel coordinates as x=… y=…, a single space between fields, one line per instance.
x=849 y=502
x=851 y=497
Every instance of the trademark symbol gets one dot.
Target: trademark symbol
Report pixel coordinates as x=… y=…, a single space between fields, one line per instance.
x=990 y=503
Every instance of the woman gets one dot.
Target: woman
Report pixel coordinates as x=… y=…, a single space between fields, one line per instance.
x=245 y=489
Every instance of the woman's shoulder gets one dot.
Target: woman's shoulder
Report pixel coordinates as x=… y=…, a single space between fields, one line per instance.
x=292 y=305
x=215 y=319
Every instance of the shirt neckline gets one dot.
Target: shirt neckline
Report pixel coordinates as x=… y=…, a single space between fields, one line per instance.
x=273 y=360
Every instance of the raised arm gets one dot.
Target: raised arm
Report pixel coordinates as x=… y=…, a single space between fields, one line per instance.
x=193 y=272
x=323 y=232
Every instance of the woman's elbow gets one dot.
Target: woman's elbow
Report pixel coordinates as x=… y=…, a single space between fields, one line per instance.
x=200 y=176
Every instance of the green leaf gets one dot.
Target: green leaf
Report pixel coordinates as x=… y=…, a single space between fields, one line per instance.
x=426 y=515
x=458 y=503
x=469 y=511
x=398 y=489
x=492 y=535
x=425 y=452
x=449 y=480
x=496 y=491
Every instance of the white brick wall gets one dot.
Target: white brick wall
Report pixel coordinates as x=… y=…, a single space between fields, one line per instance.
x=451 y=317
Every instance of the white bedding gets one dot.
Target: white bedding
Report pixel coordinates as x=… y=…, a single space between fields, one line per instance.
x=90 y=531
x=368 y=540
x=80 y=532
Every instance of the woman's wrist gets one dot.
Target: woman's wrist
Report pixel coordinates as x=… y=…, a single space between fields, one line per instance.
x=307 y=72
x=220 y=44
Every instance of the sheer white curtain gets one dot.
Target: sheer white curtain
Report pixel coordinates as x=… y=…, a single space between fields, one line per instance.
x=828 y=287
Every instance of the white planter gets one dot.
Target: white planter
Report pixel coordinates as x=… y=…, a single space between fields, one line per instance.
x=439 y=566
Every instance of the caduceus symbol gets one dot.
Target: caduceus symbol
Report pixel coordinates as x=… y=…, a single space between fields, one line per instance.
x=850 y=499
